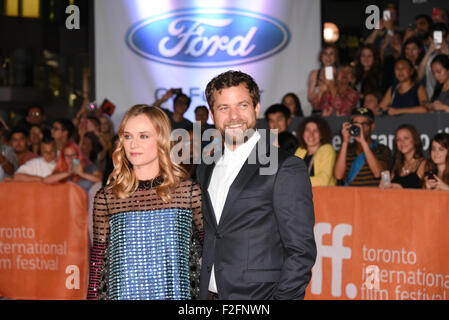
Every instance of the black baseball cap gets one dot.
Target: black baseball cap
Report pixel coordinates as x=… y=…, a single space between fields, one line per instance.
x=362 y=111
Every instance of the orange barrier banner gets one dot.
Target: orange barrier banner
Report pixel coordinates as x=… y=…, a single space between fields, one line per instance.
x=380 y=244
x=43 y=241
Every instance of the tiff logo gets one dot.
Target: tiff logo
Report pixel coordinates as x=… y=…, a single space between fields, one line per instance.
x=337 y=252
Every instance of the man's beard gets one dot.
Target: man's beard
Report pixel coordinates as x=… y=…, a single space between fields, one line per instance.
x=239 y=136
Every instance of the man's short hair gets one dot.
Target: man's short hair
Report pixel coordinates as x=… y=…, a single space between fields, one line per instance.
x=18 y=129
x=35 y=106
x=232 y=79
x=426 y=17
x=275 y=108
x=287 y=142
x=67 y=125
x=48 y=140
x=184 y=96
x=201 y=108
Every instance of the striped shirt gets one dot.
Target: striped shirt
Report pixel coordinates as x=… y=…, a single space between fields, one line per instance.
x=365 y=177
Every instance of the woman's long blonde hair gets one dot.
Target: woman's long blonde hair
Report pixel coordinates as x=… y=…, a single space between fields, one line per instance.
x=123 y=181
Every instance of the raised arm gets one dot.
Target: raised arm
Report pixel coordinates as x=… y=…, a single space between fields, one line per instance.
x=340 y=164
x=23 y=177
x=164 y=98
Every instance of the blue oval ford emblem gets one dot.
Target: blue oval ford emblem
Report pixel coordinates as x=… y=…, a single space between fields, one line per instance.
x=208 y=37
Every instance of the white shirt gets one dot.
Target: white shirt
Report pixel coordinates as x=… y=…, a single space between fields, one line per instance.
x=10 y=155
x=431 y=82
x=37 y=167
x=224 y=174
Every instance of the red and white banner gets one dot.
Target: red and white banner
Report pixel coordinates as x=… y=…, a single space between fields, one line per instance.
x=43 y=241
x=380 y=244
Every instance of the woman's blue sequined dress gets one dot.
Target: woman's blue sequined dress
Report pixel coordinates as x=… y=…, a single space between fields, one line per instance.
x=142 y=246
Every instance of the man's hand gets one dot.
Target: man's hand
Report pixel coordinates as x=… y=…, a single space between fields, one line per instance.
x=345 y=132
x=361 y=137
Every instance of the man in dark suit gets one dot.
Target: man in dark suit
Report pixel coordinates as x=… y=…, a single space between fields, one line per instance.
x=259 y=242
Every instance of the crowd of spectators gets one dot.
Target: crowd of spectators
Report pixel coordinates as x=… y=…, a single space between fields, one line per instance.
x=393 y=72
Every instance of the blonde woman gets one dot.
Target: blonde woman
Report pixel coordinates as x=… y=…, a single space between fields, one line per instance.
x=143 y=217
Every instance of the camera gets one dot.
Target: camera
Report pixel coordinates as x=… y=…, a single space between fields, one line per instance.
x=354 y=131
x=176 y=91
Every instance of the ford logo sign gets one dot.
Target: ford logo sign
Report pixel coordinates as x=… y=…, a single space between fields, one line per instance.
x=208 y=37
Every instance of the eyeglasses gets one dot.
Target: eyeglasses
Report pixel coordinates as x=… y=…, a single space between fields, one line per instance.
x=35 y=114
x=71 y=155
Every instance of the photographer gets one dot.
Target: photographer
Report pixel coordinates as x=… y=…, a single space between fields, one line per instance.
x=361 y=163
x=336 y=96
x=180 y=105
x=441 y=46
x=421 y=28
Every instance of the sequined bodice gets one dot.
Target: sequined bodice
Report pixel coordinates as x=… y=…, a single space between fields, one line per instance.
x=147 y=240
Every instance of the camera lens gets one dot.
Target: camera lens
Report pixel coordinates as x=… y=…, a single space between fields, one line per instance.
x=354 y=131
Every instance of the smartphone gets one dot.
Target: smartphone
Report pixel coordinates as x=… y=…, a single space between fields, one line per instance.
x=430 y=175
x=75 y=162
x=176 y=91
x=438 y=38
x=387 y=15
x=329 y=73
x=386 y=180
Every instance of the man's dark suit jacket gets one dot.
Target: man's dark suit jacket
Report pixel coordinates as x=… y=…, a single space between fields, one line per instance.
x=264 y=246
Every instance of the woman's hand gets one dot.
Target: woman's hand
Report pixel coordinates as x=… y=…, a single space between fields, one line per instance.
x=430 y=184
x=439 y=106
x=444 y=48
x=390 y=186
x=438 y=184
x=77 y=170
x=323 y=85
x=392 y=111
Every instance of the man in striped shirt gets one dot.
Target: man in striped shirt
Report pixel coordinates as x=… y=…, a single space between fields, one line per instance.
x=360 y=164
